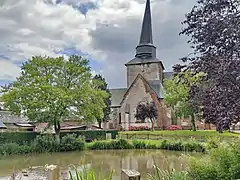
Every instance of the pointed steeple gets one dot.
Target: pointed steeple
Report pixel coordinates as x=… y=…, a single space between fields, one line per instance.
x=145 y=48
x=146 y=33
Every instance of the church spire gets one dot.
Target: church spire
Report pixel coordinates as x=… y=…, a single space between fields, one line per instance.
x=146 y=33
x=145 y=48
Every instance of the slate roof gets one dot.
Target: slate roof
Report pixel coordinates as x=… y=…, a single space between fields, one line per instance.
x=7 y=117
x=117 y=96
x=2 y=126
x=157 y=87
x=137 y=60
x=168 y=75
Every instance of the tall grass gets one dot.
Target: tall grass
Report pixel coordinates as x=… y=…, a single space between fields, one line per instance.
x=89 y=174
x=167 y=175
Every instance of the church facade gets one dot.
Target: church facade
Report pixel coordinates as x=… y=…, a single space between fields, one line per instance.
x=145 y=74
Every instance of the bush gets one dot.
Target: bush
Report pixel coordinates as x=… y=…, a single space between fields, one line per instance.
x=46 y=143
x=114 y=144
x=13 y=148
x=223 y=163
x=71 y=142
x=17 y=137
x=91 y=135
x=23 y=138
x=182 y=146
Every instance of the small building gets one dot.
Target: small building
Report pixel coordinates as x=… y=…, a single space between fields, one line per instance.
x=10 y=122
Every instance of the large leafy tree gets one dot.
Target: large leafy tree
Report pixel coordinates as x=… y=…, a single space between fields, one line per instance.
x=107 y=110
x=177 y=95
x=53 y=90
x=214 y=30
x=147 y=110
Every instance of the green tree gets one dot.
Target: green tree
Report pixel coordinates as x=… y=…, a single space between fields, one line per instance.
x=107 y=110
x=177 y=95
x=53 y=90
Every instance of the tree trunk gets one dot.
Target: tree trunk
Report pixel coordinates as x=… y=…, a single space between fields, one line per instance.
x=174 y=118
x=99 y=123
x=57 y=127
x=152 y=121
x=193 y=122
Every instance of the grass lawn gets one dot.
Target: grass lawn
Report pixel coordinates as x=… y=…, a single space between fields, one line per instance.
x=174 y=134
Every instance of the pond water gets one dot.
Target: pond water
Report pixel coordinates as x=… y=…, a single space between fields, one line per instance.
x=100 y=161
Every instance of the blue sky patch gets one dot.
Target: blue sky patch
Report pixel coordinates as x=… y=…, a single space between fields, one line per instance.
x=82 y=7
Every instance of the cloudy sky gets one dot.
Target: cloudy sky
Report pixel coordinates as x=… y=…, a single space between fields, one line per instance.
x=105 y=31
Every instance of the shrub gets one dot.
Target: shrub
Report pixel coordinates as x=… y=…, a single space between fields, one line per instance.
x=13 y=148
x=46 y=143
x=222 y=163
x=23 y=138
x=114 y=144
x=139 y=144
x=71 y=142
x=91 y=135
x=17 y=137
x=182 y=146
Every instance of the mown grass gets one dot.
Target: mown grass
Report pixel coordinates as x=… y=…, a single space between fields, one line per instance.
x=198 y=133
x=201 y=135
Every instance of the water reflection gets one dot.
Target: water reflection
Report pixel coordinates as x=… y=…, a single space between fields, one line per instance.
x=101 y=161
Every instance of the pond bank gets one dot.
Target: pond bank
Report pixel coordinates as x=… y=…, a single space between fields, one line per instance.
x=100 y=161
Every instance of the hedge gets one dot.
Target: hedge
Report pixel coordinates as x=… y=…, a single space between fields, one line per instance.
x=27 y=137
x=17 y=137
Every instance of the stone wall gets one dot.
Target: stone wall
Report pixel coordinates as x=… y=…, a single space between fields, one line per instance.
x=136 y=94
x=151 y=71
x=140 y=91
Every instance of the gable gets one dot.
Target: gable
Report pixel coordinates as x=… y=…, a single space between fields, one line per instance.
x=154 y=85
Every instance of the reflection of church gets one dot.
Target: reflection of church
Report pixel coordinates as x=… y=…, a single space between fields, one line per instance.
x=144 y=82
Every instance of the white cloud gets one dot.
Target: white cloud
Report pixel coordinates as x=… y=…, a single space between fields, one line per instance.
x=108 y=33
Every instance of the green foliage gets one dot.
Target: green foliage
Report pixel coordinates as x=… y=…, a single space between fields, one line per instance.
x=13 y=149
x=17 y=137
x=167 y=175
x=177 y=92
x=72 y=142
x=224 y=163
x=89 y=174
x=114 y=144
x=45 y=143
x=28 y=137
x=137 y=144
x=55 y=89
x=107 y=100
x=91 y=135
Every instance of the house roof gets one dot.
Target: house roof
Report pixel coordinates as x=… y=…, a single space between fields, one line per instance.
x=157 y=87
x=2 y=126
x=168 y=75
x=137 y=60
x=24 y=124
x=117 y=96
x=7 y=117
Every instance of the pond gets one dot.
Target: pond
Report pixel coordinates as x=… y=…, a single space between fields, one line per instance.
x=100 y=161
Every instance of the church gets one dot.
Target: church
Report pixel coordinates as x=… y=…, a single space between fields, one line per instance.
x=145 y=74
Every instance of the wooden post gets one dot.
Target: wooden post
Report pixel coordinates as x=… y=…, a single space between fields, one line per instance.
x=127 y=174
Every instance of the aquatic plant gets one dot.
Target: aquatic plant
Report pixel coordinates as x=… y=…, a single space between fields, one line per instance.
x=87 y=173
x=167 y=175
